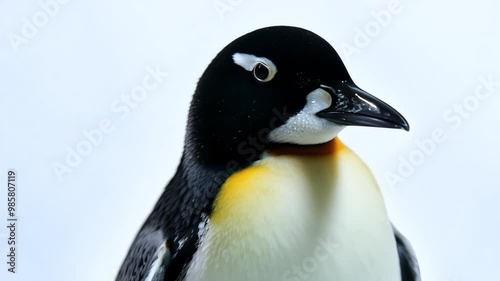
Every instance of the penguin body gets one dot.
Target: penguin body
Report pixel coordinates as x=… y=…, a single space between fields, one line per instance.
x=288 y=216
x=265 y=190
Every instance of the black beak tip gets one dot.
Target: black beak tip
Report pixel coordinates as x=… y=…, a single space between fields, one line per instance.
x=402 y=123
x=405 y=126
x=398 y=122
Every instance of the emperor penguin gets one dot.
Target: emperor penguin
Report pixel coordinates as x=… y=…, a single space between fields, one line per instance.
x=265 y=190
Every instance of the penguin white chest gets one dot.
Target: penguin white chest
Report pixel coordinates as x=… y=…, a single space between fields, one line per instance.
x=315 y=218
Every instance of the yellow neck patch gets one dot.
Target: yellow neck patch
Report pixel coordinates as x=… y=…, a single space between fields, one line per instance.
x=245 y=192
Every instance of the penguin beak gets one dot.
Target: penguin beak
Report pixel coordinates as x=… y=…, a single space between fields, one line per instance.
x=353 y=106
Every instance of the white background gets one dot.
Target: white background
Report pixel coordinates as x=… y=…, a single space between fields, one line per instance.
x=424 y=60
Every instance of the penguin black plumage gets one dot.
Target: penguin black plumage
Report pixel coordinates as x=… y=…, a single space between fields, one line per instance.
x=265 y=191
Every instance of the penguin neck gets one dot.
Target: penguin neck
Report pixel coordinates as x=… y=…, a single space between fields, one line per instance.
x=212 y=164
x=215 y=147
x=208 y=162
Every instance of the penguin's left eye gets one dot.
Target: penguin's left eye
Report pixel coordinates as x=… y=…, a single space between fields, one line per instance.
x=262 y=72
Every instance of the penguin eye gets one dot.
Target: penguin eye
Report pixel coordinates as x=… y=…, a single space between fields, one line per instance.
x=262 y=72
x=263 y=69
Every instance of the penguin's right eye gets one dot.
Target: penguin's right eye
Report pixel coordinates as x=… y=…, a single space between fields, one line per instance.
x=262 y=72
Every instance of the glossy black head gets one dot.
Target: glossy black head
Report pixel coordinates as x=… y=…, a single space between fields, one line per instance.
x=277 y=85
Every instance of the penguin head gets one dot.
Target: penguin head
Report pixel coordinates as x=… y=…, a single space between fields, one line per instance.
x=279 y=85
